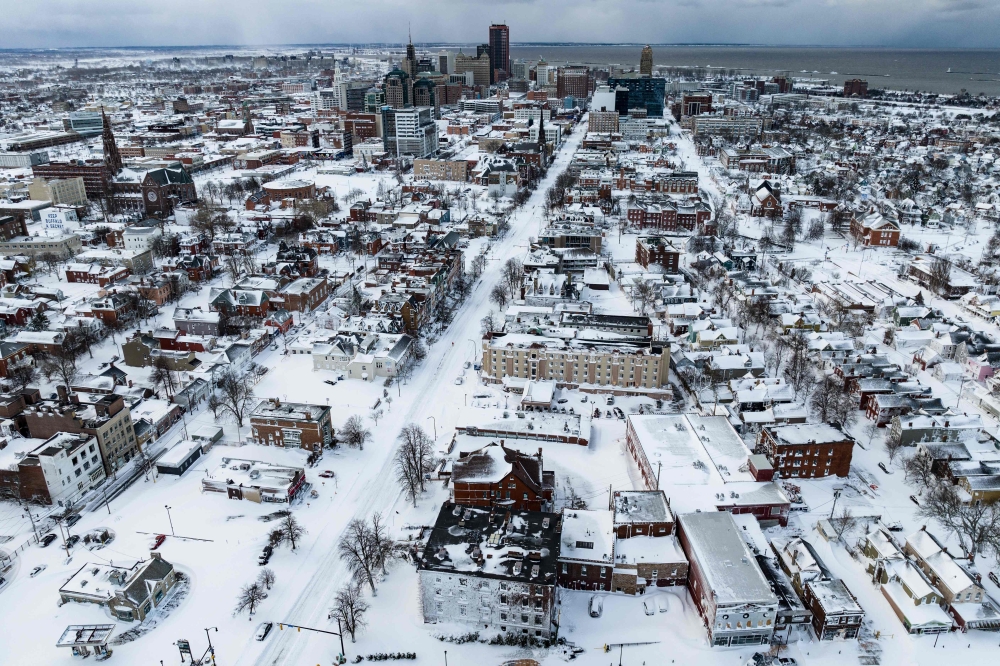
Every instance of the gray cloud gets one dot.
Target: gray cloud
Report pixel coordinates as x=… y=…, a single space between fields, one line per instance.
x=910 y=23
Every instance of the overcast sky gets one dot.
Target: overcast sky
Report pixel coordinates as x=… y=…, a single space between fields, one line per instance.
x=903 y=23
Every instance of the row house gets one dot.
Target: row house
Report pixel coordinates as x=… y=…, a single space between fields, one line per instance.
x=96 y=274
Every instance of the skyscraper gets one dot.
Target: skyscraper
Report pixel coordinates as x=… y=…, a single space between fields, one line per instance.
x=646 y=61
x=499 y=52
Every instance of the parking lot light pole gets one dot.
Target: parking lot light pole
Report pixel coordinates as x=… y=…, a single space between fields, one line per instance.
x=434 y=422
x=171 y=524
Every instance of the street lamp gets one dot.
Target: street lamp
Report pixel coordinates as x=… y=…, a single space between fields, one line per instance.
x=211 y=648
x=171 y=523
x=434 y=422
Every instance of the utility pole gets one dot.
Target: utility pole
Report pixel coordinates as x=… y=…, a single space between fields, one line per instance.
x=659 y=468
x=27 y=509
x=836 y=494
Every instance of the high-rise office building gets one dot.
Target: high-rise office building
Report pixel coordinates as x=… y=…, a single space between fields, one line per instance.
x=479 y=66
x=398 y=89
x=573 y=82
x=644 y=92
x=646 y=61
x=519 y=70
x=410 y=131
x=499 y=50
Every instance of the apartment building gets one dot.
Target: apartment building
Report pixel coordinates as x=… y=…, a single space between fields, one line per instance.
x=454 y=170
x=602 y=121
x=807 y=450
x=658 y=250
x=59 y=471
x=104 y=416
x=68 y=191
x=574 y=362
x=511 y=594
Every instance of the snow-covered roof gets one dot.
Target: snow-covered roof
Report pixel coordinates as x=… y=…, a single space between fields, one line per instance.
x=587 y=536
x=725 y=560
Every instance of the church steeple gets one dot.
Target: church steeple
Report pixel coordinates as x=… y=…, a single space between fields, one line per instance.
x=112 y=158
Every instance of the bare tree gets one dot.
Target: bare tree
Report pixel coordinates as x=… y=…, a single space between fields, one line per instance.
x=61 y=365
x=291 y=531
x=644 y=292
x=21 y=375
x=349 y=608
x=354 y=433
x=249 y=599
x=975 y=524
x=382 y=543
x=413 y=460
x=499 y=296
x=236 y=395
x=265 y=578
x=163 y=375
x=893 y=444
x=919 y=469
x=831 y=403
x=798 y=369
x=512 y=276
x=358 y=550
x=843 y=522
x=939 y=279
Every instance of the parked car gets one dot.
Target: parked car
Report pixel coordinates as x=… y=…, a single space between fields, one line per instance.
x=265 y=555
x=158 y=541
x=562 y=401
x=72 y=520
x=583 y=398
x=648 y=607
x=47 y=540
x=993 y=577
x=263 y=629
x=662 y=603
x=596 y=605
x=913 y=498
x=330 y=382
x=885 y=469
x=467 y=365
x=459 y=380
x=609 y=400
x=72 y=540
x=326 y=474
x=37 y=570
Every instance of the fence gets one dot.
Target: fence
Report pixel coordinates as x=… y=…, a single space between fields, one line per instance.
x=7 y=559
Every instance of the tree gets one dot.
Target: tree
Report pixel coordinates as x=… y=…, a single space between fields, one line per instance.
x=249 y=599
x=498 y=295
x=265 y=578
x=644 y=292
x=976 y=525
x=21 y=375
x=288 y=531
x=349 y=608
x=893 y=444
x=491 y=322
x=358 y=550
x=843 y=522
x=61 y=365
x=418 y=349
x=788 y=234
x=919 y=469
x=382 y=543
x=38 y=322
x=413 y=460
x=798 y=369
x=162 y=375
x=354 y=433
x=236 y=395
x=939 y=279
x=512 y=275
x=816 y=230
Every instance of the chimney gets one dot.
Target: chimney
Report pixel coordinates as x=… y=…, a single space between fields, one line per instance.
x=63 y=393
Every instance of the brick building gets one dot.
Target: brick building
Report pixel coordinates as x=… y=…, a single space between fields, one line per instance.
x=657 y=250
x=497 y=476
x=807 y=450
x=301 y=425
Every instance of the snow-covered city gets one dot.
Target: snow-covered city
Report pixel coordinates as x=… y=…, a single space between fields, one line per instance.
x=328 y=355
